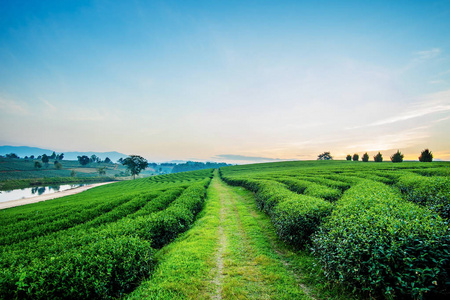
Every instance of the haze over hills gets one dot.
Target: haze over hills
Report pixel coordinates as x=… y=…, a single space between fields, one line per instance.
x=22 y=151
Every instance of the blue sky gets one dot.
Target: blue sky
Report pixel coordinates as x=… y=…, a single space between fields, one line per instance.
x=241 y=81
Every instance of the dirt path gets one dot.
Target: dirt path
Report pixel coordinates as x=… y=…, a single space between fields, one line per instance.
x=218 y=280
x=74 y=191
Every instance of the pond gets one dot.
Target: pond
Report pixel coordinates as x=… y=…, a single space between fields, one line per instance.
x=35 y=191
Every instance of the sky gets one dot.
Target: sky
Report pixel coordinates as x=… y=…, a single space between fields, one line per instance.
x=233 y=81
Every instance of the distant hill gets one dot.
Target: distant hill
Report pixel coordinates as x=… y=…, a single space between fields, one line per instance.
x=22 y=151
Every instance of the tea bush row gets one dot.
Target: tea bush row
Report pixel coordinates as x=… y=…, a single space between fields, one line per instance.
x=376 y=241
x=102 y=261
x=432 y=192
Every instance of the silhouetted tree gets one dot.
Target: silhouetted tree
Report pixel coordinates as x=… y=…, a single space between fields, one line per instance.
x=324 y=156
x=37 y=165
x=53 y=156
x=83 y=160
x=45 y=158
x=135 y=164
x=397 y=157
x=107 y=160
x=12 y=155
x=378 y=157
x=355 y=157
x=349 y=157
x=365 y=157
x=426 y=156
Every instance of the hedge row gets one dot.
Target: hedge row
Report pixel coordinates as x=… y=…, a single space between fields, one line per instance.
x=294 y=216
x=432 y=192
x=376 y=241
x=311 y=189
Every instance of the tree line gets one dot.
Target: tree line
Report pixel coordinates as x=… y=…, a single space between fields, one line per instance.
x=425 y=156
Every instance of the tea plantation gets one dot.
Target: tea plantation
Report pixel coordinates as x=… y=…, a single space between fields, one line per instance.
x=98 y=244
x=291 y=230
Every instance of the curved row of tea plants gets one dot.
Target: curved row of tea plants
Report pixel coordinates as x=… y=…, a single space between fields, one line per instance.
x=368 y=232
x=104 y=256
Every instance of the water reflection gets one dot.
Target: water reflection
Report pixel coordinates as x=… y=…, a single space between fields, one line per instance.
x=35 y=191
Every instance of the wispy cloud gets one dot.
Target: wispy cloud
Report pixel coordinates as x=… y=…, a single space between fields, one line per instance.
x=428 y=54
x=48 y=105
x=435 y=103
x=11 y=107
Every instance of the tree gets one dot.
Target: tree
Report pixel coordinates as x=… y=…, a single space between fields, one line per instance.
x=365 y=157
x=12 y=155
x=101 y=171
x=37 y=165
x=94 y=158
x=324 y=156
x=107 y=160
x=60 y=156
x=73 y=173
x=426 y=156
x=45 y=158
x=135 y=164
x=397 y=157
x=83 y=160
x=355 y=157
x=349 y=157
x=58 y=165
x=53 y=156
x=378 y=157
x=32 y=157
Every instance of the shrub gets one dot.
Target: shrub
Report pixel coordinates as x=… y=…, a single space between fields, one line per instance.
x=385 y=246
x=365 y=157
x=397 y=157
x=432 y=192
x=349 y=157
x=426 y=156
x=298 y=217
x=103 y=269
x=378 y=157
x=355 y=157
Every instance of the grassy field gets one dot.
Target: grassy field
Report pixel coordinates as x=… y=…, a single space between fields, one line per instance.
x=293 y=230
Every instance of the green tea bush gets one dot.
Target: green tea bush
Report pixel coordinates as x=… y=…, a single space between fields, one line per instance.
x=164 y=226
x=104 y=269
x=432 y=192
x=442 y=171
x=298 y=217
x=312 y=189
x=376 y=241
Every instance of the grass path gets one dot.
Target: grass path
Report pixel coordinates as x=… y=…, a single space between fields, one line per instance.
x=231 y=252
